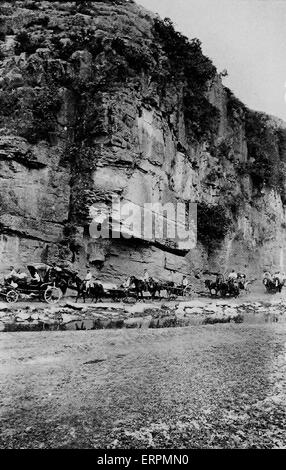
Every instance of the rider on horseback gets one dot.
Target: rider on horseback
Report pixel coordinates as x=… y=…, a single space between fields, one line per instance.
x=146 y=276
x=186 y=285
x=88 y=280
x=267 y=275
x=232 y=276
x=146 y=279
x=278 y=276
x=126 y=284
x=278 y=280
x=241 y=279
x=185 y=281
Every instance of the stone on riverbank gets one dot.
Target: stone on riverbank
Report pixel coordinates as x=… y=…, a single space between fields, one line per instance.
x=107 y=316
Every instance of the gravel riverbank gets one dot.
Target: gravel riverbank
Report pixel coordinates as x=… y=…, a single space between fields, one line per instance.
x=213 y=386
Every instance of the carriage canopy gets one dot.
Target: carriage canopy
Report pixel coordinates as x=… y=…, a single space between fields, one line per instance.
x=41 y=268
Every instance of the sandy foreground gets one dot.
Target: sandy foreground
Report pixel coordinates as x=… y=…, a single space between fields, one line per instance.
x=213 y=386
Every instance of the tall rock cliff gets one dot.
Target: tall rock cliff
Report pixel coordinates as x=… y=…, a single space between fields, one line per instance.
x=103 y=99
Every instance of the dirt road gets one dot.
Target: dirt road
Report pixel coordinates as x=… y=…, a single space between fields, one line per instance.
x=210 y=386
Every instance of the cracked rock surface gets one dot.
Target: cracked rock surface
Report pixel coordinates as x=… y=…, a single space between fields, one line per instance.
x=89 y=112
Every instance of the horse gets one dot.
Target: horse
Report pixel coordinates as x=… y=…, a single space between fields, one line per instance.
x=245 y=285
x=95 y=291
x=140 y=286
x=153 y=287
x=212 y=286
x=232 y=289
x=169 y=287
x=222 y=286
x=274 y=285
x=158 y=286
x=61 y=278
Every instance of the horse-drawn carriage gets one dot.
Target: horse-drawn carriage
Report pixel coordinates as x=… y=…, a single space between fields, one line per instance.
x=153 y=288
x=178 y=290
x=15 y=289
x=54 y=281
x=223 y=288
x=113 y=292
x=228 y=287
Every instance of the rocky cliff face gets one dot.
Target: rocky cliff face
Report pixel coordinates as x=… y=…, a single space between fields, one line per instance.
x=101 y=100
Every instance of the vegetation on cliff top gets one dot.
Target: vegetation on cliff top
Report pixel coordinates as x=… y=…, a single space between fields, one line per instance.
x=188 y=66
x=266 y=152
x=165 y=55
x=266 y=146
x=121 y=54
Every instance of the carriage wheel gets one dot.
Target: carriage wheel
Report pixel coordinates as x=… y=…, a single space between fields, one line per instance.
x=52 y=295
x=12 y=296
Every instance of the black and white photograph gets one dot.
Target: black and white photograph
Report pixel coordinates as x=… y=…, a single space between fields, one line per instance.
x=143 y=228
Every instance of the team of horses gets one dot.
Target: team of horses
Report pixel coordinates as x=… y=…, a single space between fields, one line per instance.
x=233 y=287
x=67 y=279
x=227 y=287
x=153 y=287
x=273 y=285
x=222 y=288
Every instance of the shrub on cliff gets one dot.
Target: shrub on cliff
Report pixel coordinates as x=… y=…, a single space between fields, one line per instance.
x=86 y=7
x=201 y=116
x=213 y=223
x=81 y=157
x=25 y=43
x=137 y=57
x=80 y=38
x=264 y=165
x=41 y=21
x=187 y=63
x=235 y=108
x=31 y=4
x=281 y=135
x=185 y=56
x=44 y=106
x=8 y=102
